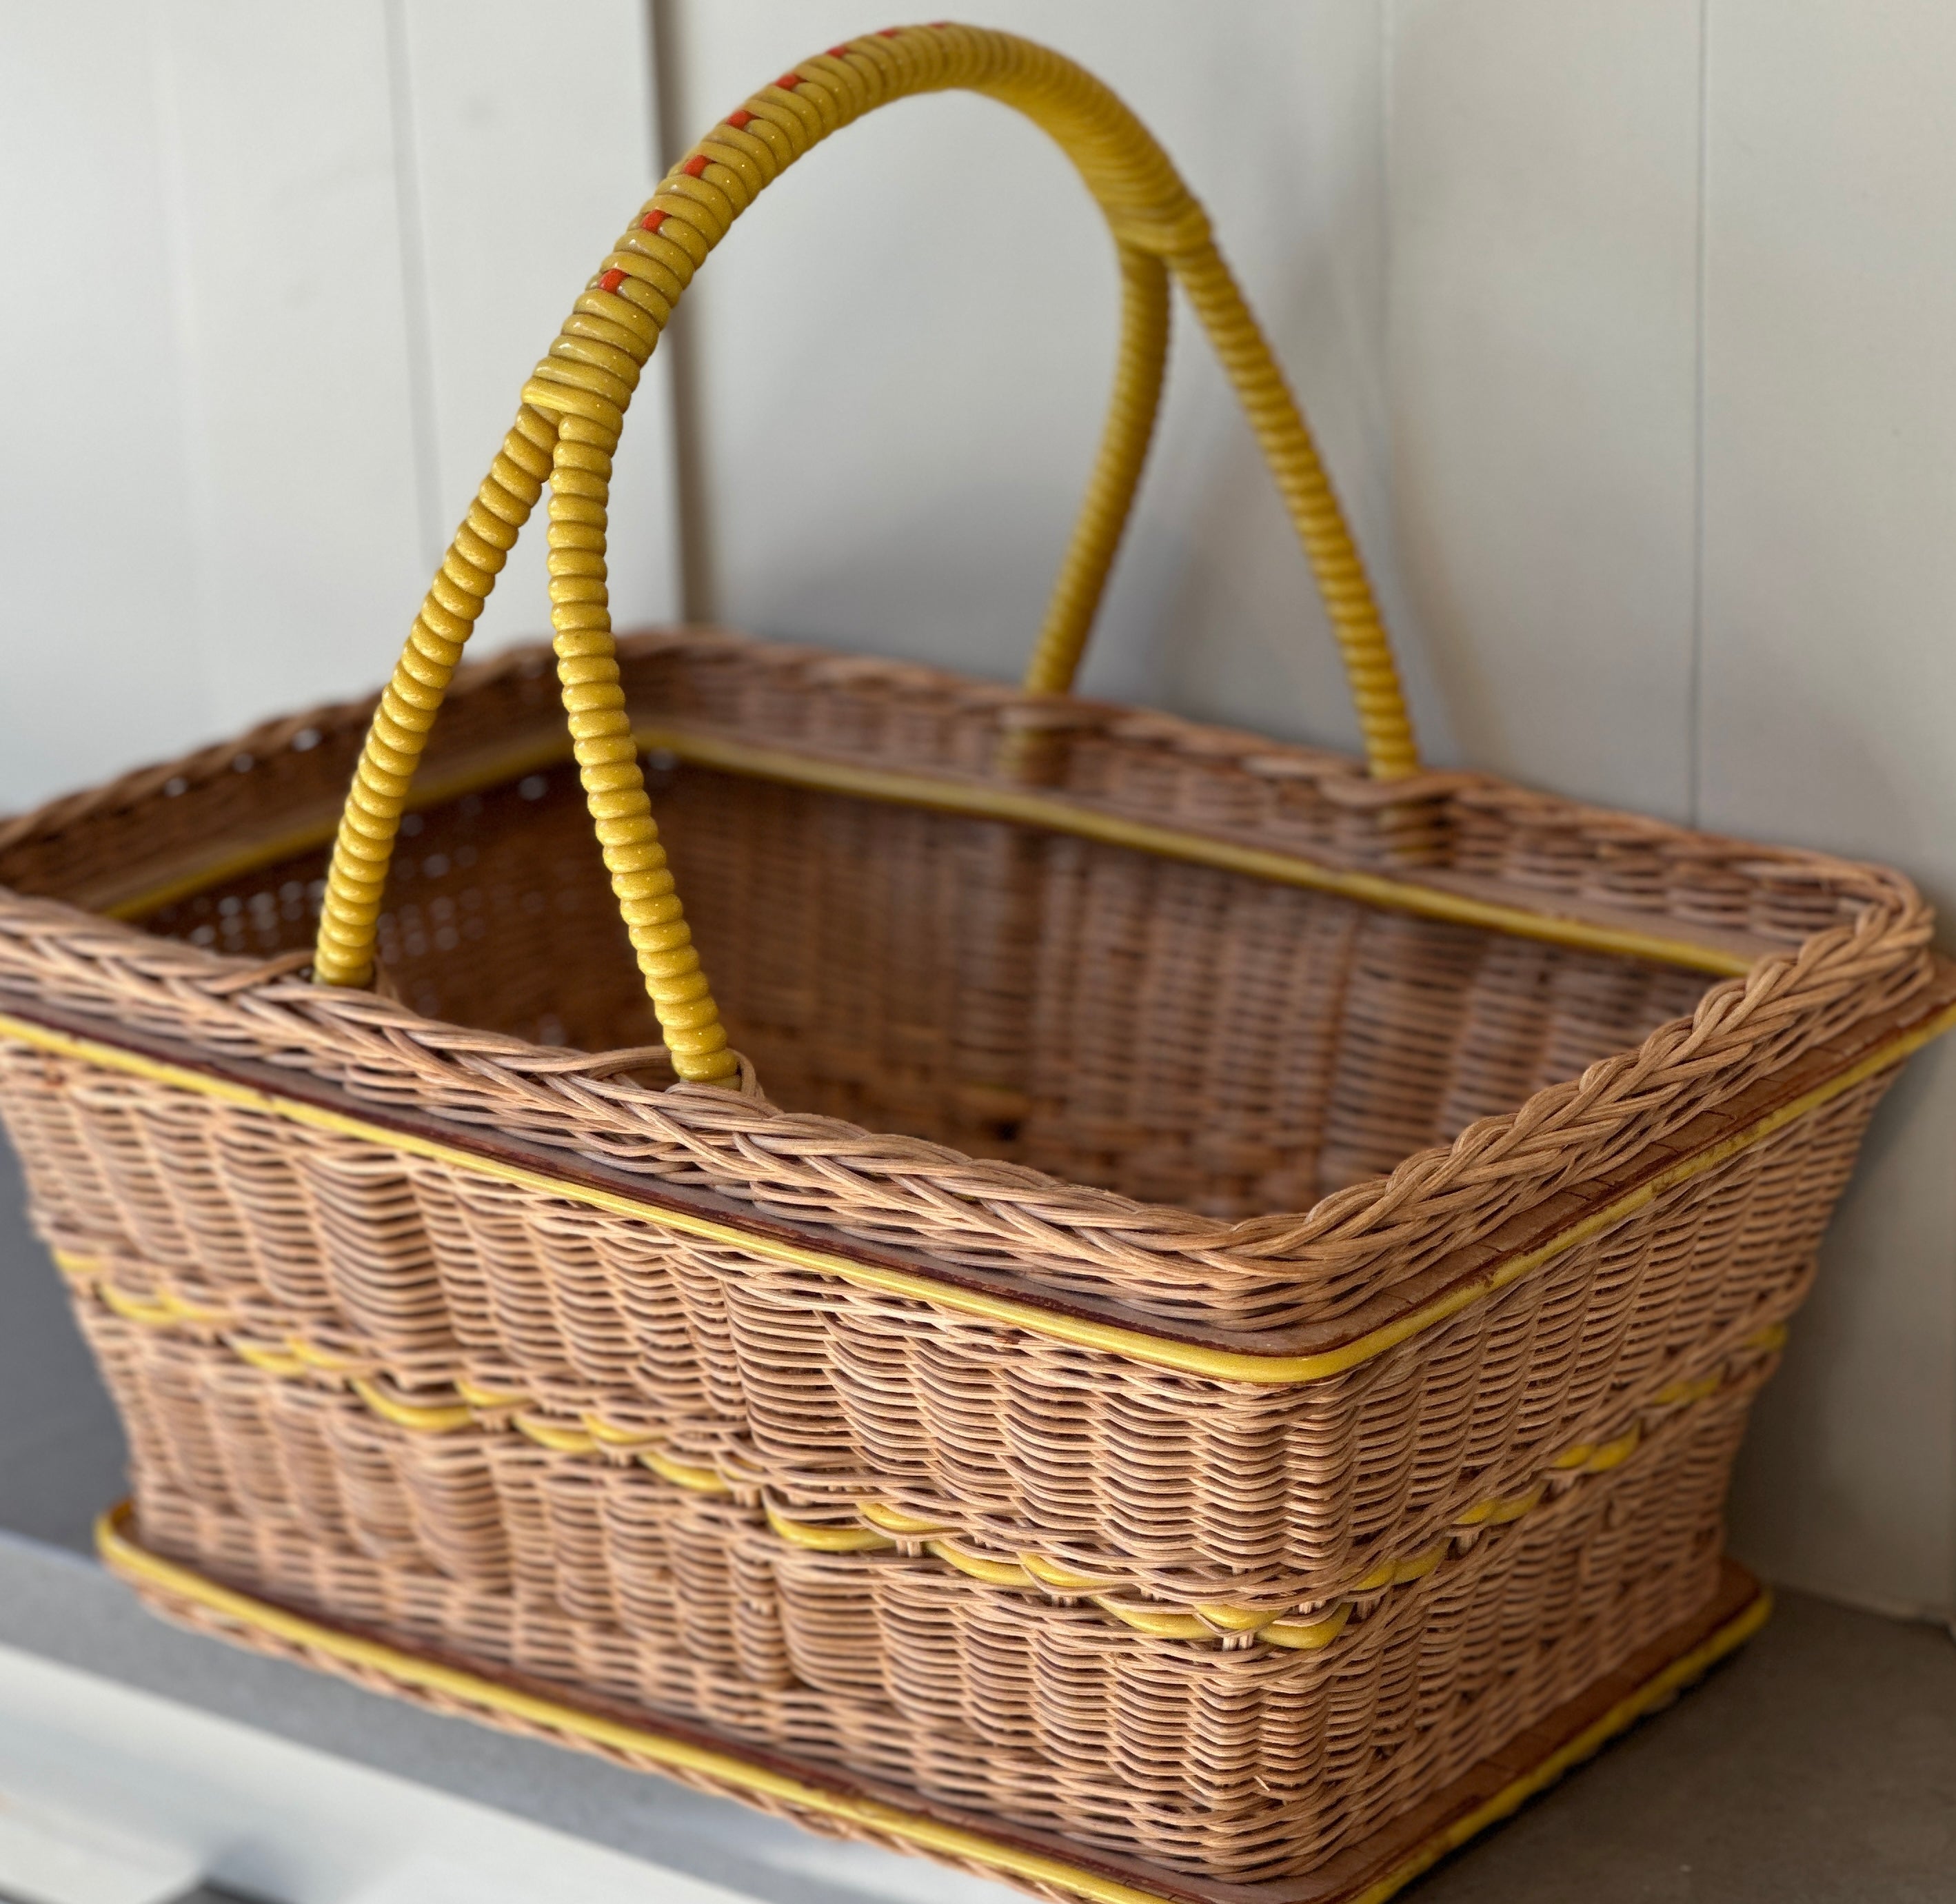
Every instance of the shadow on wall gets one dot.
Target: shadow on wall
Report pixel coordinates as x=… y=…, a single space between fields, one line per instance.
x=61 y=1455
x=1837 y=1454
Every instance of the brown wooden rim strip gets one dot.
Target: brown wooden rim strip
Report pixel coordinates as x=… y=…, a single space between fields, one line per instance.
x=1370 y=1873
x=1306 y=1355
x=1427 y=898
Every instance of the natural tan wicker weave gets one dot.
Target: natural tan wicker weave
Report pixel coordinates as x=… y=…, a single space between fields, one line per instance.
x=1235 y=1307
x=1202 y=1760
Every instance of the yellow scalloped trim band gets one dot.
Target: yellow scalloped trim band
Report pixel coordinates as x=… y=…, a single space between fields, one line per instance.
x=881 y=1527
x=327 y=1361
x=1682 y=1391
x=273 y=1358
x=823 y=1538
x=1050 y=1573
x=422 y=1418
x=557 y=1436
x=137 y=1309
x=498 y=1401
x=1402 y=1573
x=893 y=1521
x=701 y=1480
x=1211 y=1620
x=629 y=1440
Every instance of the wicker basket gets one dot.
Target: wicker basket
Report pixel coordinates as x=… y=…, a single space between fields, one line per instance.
x=1216 y=1360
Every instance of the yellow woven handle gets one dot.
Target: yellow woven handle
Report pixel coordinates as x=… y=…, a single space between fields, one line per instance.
x=574 y=407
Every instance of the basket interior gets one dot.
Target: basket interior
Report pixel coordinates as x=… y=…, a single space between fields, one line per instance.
x=1184 y=1034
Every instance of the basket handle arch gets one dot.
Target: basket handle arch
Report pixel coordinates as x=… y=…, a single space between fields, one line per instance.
x=572 y=411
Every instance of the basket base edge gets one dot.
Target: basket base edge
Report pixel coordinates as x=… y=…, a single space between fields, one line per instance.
x=837 y=1802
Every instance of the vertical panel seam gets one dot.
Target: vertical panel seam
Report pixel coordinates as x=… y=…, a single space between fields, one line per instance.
x=191 y=390
x=416 y=312
x=1386 y=14
x=1694 y=693
x=692 y=521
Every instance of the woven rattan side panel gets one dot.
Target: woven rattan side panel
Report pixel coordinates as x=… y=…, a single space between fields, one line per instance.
x=440 y=1283
x=1252 y=1761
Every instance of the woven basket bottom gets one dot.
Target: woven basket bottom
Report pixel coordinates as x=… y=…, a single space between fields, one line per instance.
x=1259 y=1763
x=839 y=1805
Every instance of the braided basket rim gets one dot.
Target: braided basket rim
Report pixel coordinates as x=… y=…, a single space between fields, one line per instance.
x=56 y=954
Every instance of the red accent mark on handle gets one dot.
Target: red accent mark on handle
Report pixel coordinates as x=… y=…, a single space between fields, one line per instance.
x=888 y=32
x=789 y=81
x=651 y=221
x=611 y=280
x=738 y=120
x=695 y=166
x=838 y=52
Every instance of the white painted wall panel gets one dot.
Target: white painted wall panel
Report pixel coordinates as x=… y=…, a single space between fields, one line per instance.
x=1846 y=1483
x=96 y=623
x=1830 y=687
x=302 y=437
x=1543 y=233
x=904 y=345
x=533 y=143
x=275 y=277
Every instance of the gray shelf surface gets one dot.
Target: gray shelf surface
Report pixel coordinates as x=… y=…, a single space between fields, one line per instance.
x=1818 y=1767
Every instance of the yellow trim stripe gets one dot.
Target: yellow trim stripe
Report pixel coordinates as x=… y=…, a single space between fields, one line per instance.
x=975 y=800
x=1133 y=1344
x=821 y=1539
x=136 y=1563
x=422 y=1418
x=984 y=800
x=701 y=1480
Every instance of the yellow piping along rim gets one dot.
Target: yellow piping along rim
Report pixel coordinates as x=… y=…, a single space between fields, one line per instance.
x=981 y=800
x=135 y=1563
x=1110 y=1338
